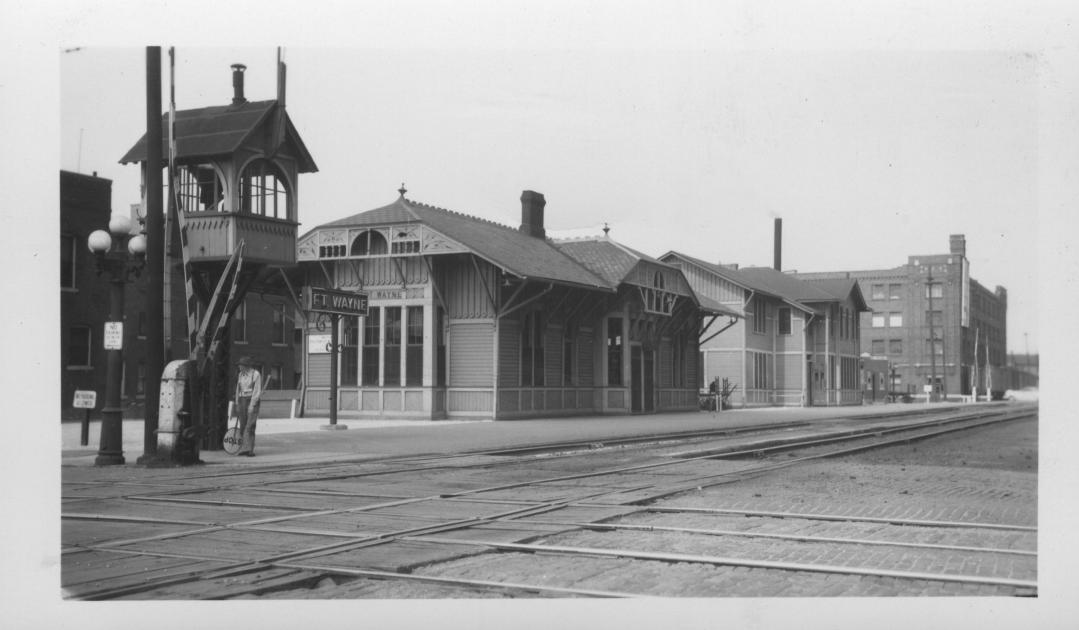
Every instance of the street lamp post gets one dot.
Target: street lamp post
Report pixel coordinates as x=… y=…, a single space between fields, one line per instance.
x=121 y=264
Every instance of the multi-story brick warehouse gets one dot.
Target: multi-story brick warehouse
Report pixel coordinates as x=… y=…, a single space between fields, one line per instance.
x=928 y=318
x=263 y=327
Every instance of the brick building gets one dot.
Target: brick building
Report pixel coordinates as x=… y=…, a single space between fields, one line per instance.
x=928 y=317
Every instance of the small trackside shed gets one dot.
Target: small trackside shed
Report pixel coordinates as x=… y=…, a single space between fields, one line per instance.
x=470 y=318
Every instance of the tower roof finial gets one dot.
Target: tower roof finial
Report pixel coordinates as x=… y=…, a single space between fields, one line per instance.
x=402 y=189
x=606 y=228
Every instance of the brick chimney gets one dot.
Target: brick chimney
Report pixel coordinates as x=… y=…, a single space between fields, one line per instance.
x=532 y=204
x=958 y=244
x=238 y=83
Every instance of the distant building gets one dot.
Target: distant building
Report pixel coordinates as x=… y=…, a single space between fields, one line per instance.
x=470 y=318
x=933 y=323
x=85 y=202
x=795 y=344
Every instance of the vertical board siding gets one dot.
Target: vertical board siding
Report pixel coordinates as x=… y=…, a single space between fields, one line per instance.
x=666 y=367
x=470 y=353
x=552 y=356
x=463 y=290
x=586 y=374
x=469 y=401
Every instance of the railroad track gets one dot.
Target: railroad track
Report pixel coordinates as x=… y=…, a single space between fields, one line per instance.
x=426 y=515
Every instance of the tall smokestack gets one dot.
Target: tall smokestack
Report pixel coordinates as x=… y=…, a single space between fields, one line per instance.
x=238 y=83
x=778 y=246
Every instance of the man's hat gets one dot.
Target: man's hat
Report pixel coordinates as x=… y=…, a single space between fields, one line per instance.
x=248 y=361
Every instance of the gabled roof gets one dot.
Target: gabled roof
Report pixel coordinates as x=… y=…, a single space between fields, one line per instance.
x=616 y=263
x=745 y=281
x=220 y=130
x=805 y=291
x=610 y=260
x=516 y=252
x=841 y=289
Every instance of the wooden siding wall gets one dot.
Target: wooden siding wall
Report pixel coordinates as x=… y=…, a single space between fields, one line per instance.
x=470 y=352
x=463 y=289
x=712 y=286
x=586 y=371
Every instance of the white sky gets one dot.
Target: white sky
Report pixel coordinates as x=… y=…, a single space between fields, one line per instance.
x=874 y=129
x=868 y=153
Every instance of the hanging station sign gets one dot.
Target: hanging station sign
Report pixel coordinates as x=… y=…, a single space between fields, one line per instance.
x=320 y=300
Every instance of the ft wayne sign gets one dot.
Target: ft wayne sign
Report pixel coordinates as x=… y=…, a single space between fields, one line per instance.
x=335 y=302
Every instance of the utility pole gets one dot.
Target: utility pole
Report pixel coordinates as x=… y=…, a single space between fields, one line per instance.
x=155 y=263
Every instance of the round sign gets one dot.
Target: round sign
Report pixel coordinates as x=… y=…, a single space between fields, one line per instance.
x=232 y=440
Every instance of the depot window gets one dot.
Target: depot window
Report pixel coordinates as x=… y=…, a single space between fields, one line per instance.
x=391 y=360
x=895 y=320
x=199 y=189
x=371 y=336
x=877 y=292
x=350 y=340
x=414 y=347
x=760 y=316
x=263 y=191
x=878 y=320
x=784 y=321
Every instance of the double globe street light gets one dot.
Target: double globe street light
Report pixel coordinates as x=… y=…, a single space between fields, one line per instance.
x=121 y=263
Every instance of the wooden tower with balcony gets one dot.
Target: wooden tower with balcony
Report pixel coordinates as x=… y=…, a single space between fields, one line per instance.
x=234 y=181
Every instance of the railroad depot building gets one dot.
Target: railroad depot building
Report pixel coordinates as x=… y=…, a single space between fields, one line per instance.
x=795 y=343
x=470 y=318
x=933 y=323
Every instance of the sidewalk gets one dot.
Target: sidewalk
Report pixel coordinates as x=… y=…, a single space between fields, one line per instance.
x=300 y=440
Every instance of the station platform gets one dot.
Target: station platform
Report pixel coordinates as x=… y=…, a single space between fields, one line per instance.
x=291 y=441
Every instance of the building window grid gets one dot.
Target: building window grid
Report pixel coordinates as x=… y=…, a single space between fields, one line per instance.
x=895 y=292
x=784 y=316
x=264 y=191
x=895 y=320
x=877 y=292
x=199 y=189
x=760 y=316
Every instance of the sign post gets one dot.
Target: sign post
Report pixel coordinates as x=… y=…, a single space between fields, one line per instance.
x=334 y=303
x=85 y=399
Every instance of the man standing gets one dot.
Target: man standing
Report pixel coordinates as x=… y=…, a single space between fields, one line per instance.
x=248 y=394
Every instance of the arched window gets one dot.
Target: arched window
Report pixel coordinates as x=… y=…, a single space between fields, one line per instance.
x=199 y=189
x=263 y=190
x=369 y=243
